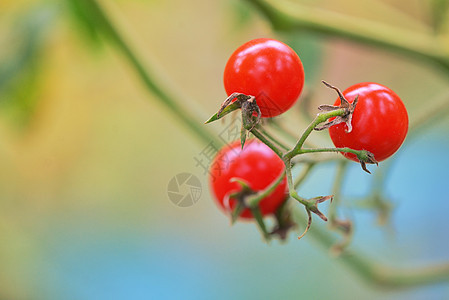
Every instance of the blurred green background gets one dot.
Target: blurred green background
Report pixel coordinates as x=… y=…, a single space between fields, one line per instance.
x=86 y=154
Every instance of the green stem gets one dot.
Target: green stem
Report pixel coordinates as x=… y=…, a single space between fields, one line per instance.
x=149 y=78
x=260 y=222
x=371 y=271
x=275 y=140
x=291 y=185
x=336 y=190
x=289 y=16
x=264 y=140
x=319 y=150
x=320 y=118
x=285 y=131
x=303 y=175
x=254 y=200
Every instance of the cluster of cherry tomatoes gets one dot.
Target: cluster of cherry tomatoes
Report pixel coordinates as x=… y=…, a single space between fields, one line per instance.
x=272 y=72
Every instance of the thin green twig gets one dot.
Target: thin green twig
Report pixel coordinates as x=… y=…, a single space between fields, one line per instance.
x=372 y=272
x=274 y=139
x=263 y=139
x=285 y=16
x=313 y=19
x=320 y=118
x=303 y=175
x=254 y=200
x=148 y=77
x=336 y=190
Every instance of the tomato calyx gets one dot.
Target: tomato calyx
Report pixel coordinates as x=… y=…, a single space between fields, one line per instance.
x=251 y=113
x=247 y=198
x=283 y=228
x=240 y=197
x=250 y=110
x=284 y=222
x=366 y=157
x=313 y=205
x=245 y=102
x=345 y=104
x=345 y=227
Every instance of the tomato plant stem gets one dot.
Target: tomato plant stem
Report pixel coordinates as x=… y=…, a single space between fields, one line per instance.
x=303 y=175
x=291 y=185
x=288 y=16
x=254 y=200
x=261 y=223
x=149 y=78
x=285 y=16
x=272 y=138
x=336 y=190
x=320 y=118
x=372 y=272
x=318 y=150
x=264 y=140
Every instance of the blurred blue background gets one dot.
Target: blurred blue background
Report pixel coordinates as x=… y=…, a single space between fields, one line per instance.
x=87 y=154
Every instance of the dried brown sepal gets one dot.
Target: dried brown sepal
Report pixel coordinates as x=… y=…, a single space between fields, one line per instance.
x=239 y=197
x=344 y=225
x=346 y=228
x=309 y=223
x=246 y=102
x=344 y=104
x=284 y=222
x=322 y=199
x=249 y=107
x=367 y=158
x=282 y=230
x=314 y=206
x=240 y=98
x=384 y=208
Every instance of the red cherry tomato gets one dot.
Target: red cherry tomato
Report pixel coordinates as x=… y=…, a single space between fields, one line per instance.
x=257 y=165
x=269 y=70
x=379 y=122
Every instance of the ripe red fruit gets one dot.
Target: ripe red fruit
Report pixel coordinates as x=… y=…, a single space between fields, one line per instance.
x=269 y=70
x=255 y=164
x=379 y=122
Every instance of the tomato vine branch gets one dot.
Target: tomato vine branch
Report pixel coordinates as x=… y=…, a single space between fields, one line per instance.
x=272 y=138
x=287 y=16
x=254 y=200
x=320 y=118
x=303 y=175
x=267 y=142
x=374 y=273
x=149 y=78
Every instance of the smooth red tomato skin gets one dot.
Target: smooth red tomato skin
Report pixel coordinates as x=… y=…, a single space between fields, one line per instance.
x=380 y=121
x=269 y=70
x=257 y=165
